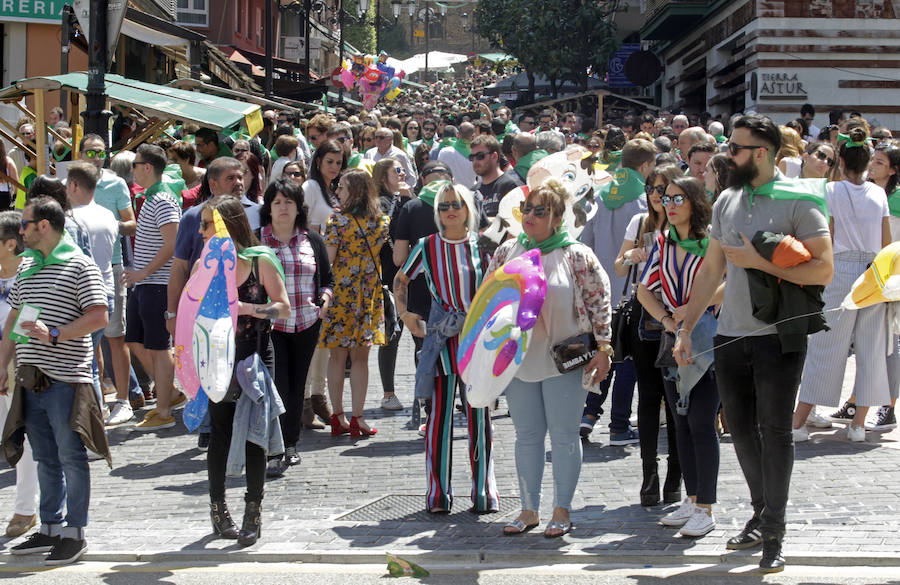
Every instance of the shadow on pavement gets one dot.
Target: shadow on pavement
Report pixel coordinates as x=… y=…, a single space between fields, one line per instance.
x=185 y=462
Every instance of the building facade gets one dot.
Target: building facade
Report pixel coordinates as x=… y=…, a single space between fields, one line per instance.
x=773 y=56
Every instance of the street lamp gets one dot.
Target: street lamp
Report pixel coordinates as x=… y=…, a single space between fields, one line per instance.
x=466 y=28
x=396 y=5
x=362 y=7
x=411 y=6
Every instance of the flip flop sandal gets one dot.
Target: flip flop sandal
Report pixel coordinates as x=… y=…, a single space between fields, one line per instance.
x=564 y=527
x=519 y=527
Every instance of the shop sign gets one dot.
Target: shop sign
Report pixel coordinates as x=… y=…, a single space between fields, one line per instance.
x=40 y=11
x=781 y=85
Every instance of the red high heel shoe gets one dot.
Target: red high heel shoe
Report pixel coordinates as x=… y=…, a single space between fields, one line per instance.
x=337 y=429
x=358 y=431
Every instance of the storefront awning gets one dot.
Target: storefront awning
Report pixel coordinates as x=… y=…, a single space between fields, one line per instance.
x=497 y=57
x=153 y=100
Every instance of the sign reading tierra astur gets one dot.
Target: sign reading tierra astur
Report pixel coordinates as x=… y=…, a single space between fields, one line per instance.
x=40 y=11
x=785 y=85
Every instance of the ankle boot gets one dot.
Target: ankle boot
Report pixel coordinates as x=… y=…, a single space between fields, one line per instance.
x=251 y=527
x=320 y=406
x=308 y=417
x=672 y=487
x=222 y=523
x=650 y=485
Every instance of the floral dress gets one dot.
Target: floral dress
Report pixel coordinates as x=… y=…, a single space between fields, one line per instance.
x=355 y=316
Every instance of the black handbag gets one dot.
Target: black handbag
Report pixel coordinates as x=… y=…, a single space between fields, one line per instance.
x=626 y=315
x=665 y=358
x=574 y=352
x=391 y=322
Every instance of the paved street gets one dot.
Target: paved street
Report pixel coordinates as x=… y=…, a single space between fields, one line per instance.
x=350 y=501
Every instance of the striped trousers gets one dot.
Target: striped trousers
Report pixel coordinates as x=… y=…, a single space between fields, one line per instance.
x=826 y=358
x=439 y=443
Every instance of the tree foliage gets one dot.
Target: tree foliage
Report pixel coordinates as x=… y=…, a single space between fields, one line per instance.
x=560 y=39
x=359 y=32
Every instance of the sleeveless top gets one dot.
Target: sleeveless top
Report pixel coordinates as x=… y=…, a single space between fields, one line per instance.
x=252 y=334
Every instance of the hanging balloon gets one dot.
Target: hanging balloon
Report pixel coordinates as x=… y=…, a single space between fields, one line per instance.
x=392 y=95
x=347 y=79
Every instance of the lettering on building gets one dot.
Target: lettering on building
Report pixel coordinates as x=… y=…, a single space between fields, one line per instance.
x=781 y=85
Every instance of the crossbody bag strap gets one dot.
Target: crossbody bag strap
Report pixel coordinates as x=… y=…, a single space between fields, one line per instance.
x=369 y=248
x=632 y=270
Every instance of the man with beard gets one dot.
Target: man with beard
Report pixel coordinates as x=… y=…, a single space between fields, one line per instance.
x=757 y=379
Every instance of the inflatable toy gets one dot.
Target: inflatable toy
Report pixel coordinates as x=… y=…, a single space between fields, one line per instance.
x=880 y=283
x=495 y=335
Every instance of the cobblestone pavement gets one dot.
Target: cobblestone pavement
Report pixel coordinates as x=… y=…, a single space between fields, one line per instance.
x=152 y=505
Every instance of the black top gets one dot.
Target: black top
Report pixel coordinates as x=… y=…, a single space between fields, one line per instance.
x=415 y=220
x=492 y=193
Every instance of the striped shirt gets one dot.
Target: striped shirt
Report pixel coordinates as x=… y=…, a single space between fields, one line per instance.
x=159 y=210
x=299 y=262
x=453 y=269
x=663 y=273
x=63 y=292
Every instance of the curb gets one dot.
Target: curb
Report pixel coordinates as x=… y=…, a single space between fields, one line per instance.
x=498 y=559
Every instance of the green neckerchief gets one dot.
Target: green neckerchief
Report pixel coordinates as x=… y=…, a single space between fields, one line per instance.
x=429 y=142
x=429 y=191
x=463 y=147
x=64 y=251
x=784 y=188
x=720 y=138
x=894 y=202
x=354 y=160
x=612 y=159
x=449 y=141
x=405 y=143
x=845 y=138
x=689 y=245
x=526 y=162
x=264 y=252
x=167 y=184
x=560 y=239
x=65 y=152
x=626 y=186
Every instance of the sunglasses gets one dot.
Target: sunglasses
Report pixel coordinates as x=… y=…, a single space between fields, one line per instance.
x=101 y=154
x=25 y=223
x=429 y=129
x=678 y=200
x=293 y=174
x=822 y=156
x=240 y=150
x=399 y=170
x=538 y=210
x=478 y=156
x=342 y=139
x=446 y=205
x=660 y=189
x=734 y=149
x=138 y=162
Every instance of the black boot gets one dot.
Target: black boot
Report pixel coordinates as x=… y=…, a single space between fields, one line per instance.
x=672 y=486
x=251 y=527
x=650 y=486
x=222 y=523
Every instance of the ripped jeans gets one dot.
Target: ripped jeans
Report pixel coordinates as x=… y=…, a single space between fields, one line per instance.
x=552 y=405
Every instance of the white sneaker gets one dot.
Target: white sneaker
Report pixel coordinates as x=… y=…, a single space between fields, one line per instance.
x=121 y=413
x=391 y=403
x=680 y=516
x=801 y=434
x=699 y=523
x=817 y=421
x=856 y=434
x=422 y=429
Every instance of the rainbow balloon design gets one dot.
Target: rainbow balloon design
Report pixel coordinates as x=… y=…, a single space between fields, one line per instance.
x=207 y=317
x=495 y=335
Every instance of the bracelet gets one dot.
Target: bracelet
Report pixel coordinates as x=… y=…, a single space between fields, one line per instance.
x=684 y=330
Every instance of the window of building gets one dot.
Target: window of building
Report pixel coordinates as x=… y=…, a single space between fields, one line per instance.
x=258 y=29
x=192 y=13
x=238 y=18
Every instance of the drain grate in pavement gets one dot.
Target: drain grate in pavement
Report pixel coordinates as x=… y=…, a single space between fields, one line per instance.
x=406 y=508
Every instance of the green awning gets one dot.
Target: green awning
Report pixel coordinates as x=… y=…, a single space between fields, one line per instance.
x=405 y=81
x=153 y=100
x=497 y=57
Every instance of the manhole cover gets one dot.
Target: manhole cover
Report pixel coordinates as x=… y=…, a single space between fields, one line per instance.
x=411 y=508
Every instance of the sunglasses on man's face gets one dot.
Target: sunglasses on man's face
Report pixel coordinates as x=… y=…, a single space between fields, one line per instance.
x=734 y=148
x=430 y=129
x=824 y=157
x=101 y=154
x=293 y=174
x=537 y=210
x=478 y=156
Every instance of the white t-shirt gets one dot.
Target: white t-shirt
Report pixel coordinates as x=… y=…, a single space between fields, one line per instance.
x=318 y=210
x=103 y=230
x=858 y=212
x=631 y=233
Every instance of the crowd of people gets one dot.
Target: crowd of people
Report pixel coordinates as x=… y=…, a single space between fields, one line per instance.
x=327 y=211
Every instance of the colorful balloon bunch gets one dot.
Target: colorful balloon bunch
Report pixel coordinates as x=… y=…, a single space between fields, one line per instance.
x=373 y=78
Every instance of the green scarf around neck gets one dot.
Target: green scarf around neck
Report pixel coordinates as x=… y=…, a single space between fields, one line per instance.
x=265 y=253
x=783 y=188
x=612 y=158
x=526 y=162
x=689 y=245
x=430 y=191
x=626 y=186
x=463 y=147
x=560 y=239
x=64 y=251
x=894 y=202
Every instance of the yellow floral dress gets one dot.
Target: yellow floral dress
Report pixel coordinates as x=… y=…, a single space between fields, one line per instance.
x=355 y=316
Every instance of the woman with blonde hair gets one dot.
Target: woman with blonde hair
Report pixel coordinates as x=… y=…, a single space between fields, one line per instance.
x=540 y=398
x=788 y=159
x=355 y=319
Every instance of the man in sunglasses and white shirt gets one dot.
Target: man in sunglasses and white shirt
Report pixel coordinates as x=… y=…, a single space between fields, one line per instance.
x=384 y=147
x=493 y=183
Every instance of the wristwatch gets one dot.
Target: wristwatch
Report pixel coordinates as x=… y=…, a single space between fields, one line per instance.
x=54 y=335
x=607 y=349
x=169 y=315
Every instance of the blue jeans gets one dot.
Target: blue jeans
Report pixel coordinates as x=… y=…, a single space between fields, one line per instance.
x=553 y=404
x=63 y=473
x=622 y=394
x=758 y=386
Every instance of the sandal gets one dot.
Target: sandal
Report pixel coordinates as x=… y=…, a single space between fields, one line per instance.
x=563 y=527
x=518 y=527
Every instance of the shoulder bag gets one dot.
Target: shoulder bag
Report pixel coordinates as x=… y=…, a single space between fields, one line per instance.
x=391 y=323
x=626 y=315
